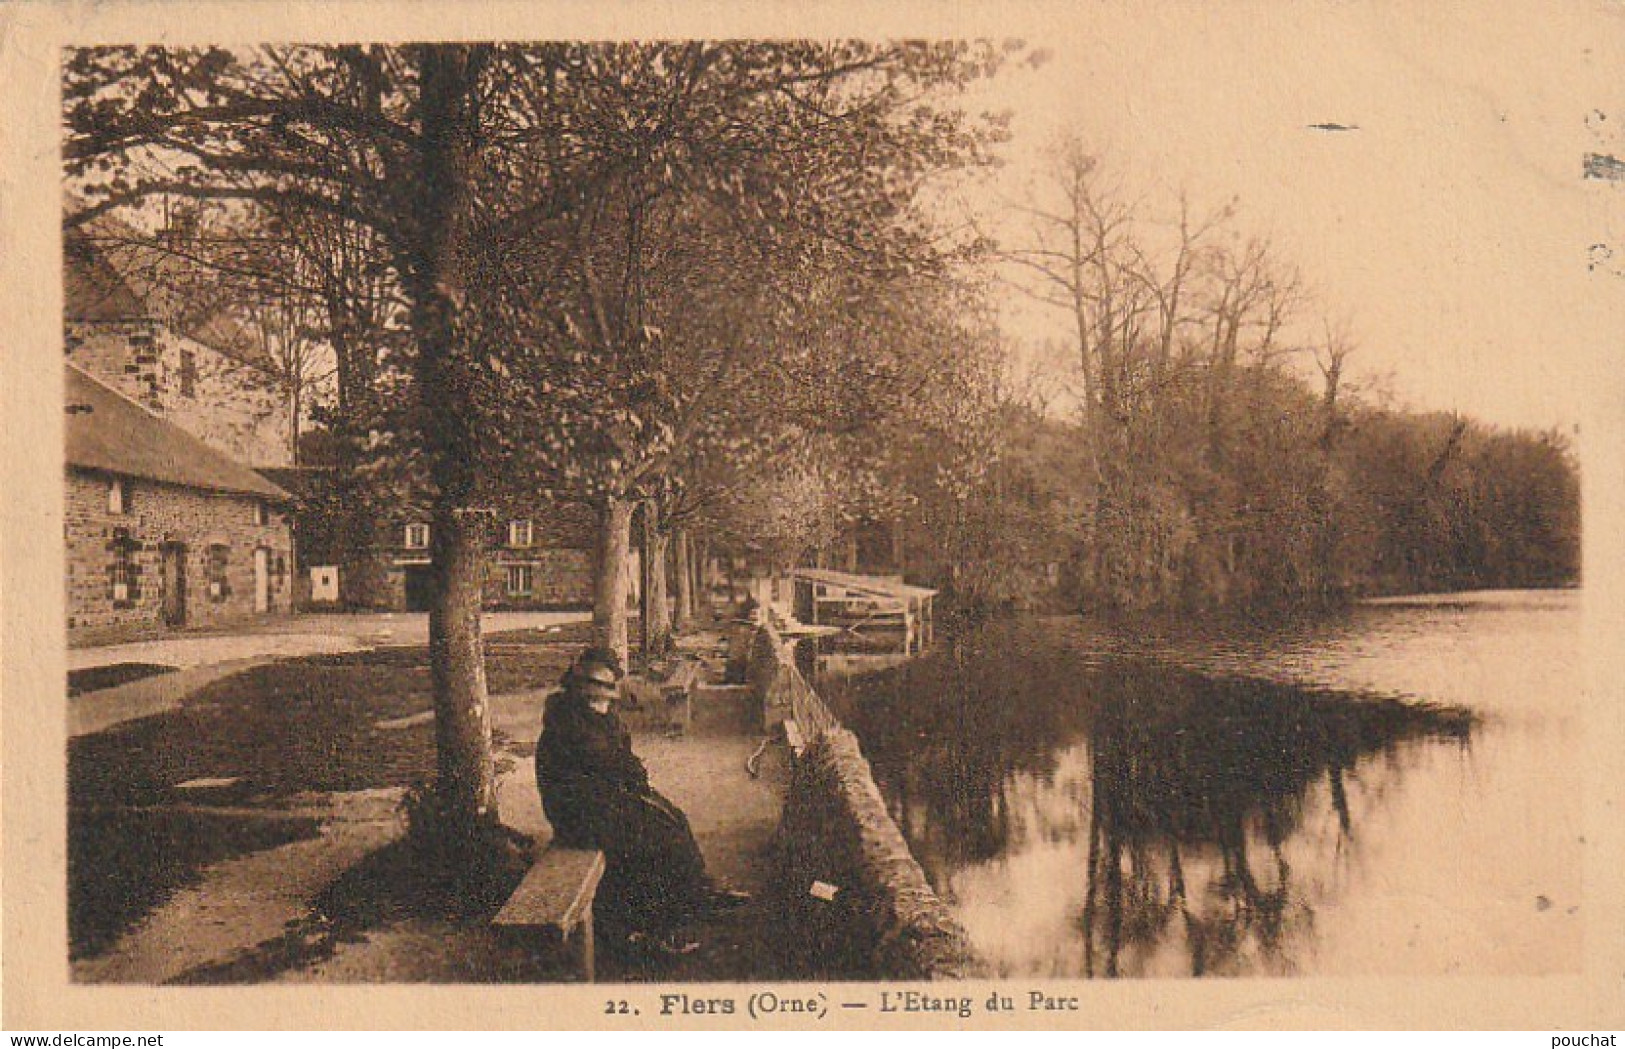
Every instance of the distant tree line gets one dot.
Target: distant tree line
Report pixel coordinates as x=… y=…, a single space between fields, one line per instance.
x=1299 y=507
x=1194 y=449
x=1436 y=502
x=1218 y=457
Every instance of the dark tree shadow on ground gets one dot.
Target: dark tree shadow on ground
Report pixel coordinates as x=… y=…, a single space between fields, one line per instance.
x=282 y=733
x=122 y=864
x=94 y=679
x=394 y=886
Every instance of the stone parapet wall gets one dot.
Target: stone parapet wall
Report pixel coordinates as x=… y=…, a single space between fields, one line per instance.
x=767 y=668
x=883 y=921
x=783 y=691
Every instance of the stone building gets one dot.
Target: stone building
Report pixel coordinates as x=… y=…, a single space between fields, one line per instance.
x=538 y=556
x=140 y=319
x=161 y=530
x=170 y=402
x=530 y=564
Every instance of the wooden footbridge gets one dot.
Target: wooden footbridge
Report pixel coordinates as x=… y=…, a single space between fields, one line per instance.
x=882 y=610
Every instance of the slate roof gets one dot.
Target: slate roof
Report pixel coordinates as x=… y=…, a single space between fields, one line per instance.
x=108 y=432
x=92 y=289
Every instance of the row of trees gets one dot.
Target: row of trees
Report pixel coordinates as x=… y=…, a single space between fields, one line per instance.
x=1218 y=455
x=1437 y=502
x=1404 y=502
x=622 y=275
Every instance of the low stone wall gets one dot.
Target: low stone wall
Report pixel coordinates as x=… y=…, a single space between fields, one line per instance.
x=883 y=920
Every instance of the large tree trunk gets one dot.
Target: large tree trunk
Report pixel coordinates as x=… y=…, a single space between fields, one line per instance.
x=609 y=575
x=466 y=784
x=465 y=788
x=684 y=571
x=354 y=509
x=656 y=611
x=295 y=410
x=705 y=576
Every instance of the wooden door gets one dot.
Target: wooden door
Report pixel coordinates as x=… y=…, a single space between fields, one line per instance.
x=419 y=588
x=172 y=571
x=262 y=579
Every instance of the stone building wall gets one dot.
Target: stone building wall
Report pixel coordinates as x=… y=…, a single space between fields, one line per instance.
x=154 y=515
x=374 y=574
x=232 y=407
x=367 y=581
x=559 y=578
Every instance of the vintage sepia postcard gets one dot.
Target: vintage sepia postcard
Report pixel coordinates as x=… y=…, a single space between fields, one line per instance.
x=808 y=516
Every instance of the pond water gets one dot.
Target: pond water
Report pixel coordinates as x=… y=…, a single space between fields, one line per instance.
x=1390 y=791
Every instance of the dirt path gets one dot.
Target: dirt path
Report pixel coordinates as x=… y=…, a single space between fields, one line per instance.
x=285 y=637
x=203 y=659
x=734 y=816
x=247 y=906
x=104 y=708
x=253 y=915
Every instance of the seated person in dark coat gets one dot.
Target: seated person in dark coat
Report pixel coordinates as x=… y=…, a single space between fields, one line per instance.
x=596 y=794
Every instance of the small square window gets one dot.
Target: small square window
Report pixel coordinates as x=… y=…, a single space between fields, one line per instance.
x=519 y=533
x=521 y=579
x=417 y=536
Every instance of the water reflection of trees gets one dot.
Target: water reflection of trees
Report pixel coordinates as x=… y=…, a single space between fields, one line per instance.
x=1196 y=785
x=1183 y=766
x=946 y=733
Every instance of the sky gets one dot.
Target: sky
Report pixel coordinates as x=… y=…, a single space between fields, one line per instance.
x=1449 y=234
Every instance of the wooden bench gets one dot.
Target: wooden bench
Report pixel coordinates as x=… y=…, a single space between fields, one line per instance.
x=555 y=899
x=677 y=692
x=662 y=699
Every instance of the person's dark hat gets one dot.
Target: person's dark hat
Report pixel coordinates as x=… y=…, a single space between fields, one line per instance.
x=603 y=657
x=595 y=674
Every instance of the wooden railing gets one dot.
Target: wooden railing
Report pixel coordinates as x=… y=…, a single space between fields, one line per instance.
x=785 y=690
x=806 y=705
